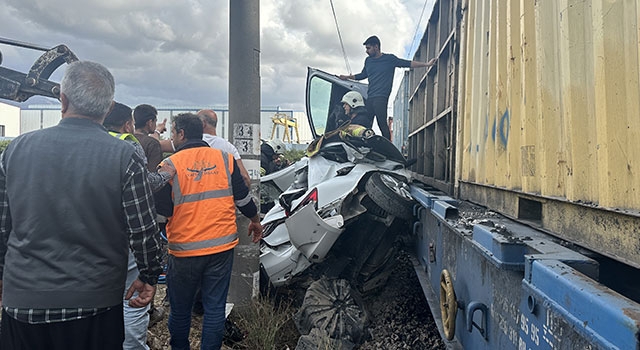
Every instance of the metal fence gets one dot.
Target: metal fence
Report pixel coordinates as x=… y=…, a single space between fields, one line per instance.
x=44 y=116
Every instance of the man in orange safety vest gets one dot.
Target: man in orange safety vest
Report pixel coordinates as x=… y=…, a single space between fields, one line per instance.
x=201 y=229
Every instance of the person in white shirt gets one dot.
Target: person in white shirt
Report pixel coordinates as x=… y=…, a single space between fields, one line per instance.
x=209 y=124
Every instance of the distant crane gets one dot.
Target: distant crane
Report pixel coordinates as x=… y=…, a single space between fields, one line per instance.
x=288 y=123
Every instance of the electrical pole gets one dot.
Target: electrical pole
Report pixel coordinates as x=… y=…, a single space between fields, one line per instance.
x=244 y=127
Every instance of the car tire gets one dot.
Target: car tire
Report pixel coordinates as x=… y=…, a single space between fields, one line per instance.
x=335 y=309
x=390 y=194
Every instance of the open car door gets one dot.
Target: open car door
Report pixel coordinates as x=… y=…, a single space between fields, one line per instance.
x=324 y=91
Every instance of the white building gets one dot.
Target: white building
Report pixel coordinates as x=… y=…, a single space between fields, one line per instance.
x=9 y=120
x=37 y=117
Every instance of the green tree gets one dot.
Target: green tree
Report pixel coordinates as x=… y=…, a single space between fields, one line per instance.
x=4 y=144
x=293 y=155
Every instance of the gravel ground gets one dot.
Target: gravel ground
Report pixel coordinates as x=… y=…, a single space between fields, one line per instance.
x=400 y=316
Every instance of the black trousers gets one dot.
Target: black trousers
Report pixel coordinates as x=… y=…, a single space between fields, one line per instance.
x=104 y=331
x=377 y=106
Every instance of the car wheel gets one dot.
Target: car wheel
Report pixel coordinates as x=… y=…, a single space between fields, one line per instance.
x=391 y=194
x=335 y=309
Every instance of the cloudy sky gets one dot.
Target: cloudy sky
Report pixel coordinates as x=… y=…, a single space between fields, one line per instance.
x=173 y=52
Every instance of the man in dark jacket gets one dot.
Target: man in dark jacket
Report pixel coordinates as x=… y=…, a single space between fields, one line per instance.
x=73 y=199
x=270 y=152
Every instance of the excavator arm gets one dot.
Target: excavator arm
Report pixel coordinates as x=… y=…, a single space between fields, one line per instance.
x=18 y=86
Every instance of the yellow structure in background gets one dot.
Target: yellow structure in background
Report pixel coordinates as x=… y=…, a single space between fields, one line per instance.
x=287 y=122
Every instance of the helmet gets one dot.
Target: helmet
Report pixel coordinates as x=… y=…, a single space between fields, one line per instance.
x=277 y=145
x=353 y=99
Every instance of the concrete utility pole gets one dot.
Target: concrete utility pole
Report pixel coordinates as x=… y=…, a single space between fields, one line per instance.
x=244 y=123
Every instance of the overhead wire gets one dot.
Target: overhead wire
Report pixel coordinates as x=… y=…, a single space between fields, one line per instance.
x=415 y=34
x=344 y=53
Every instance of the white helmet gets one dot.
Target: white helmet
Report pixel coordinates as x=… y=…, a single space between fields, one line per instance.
x=353 y=99
x=277 y=145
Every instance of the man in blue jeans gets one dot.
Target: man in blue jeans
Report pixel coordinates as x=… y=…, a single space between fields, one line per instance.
x=119 y=122
x=379 y=69
x=201 y=230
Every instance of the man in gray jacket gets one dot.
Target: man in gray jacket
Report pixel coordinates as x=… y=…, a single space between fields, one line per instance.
x=73 y=199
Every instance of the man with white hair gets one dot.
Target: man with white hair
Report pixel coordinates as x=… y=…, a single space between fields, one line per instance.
x=73 y=199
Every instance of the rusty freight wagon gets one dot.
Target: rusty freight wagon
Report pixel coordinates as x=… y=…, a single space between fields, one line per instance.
x=527 y=136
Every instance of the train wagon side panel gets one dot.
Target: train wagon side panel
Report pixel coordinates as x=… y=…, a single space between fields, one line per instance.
x=533 y=110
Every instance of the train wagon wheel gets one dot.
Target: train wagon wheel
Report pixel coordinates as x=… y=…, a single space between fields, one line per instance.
x=448 y=305
x=390 y=194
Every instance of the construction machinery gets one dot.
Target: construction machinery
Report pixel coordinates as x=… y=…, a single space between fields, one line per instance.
x=19 y=87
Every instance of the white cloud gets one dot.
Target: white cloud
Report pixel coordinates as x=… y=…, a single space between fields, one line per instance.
x=176 y=52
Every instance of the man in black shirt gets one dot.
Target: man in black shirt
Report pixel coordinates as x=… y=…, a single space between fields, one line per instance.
x=379 y=69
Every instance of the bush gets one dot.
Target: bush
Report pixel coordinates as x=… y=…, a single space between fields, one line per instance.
x=4 y=144
x=267 y=325
x=293 y=155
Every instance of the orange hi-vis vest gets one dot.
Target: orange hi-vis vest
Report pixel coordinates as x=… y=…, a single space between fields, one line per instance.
x=204 y=215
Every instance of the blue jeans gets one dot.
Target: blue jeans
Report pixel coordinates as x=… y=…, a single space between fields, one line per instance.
x=211 y=273
x=136 y=319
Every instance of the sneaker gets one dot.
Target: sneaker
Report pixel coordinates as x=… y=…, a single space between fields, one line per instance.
x=156 y=315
